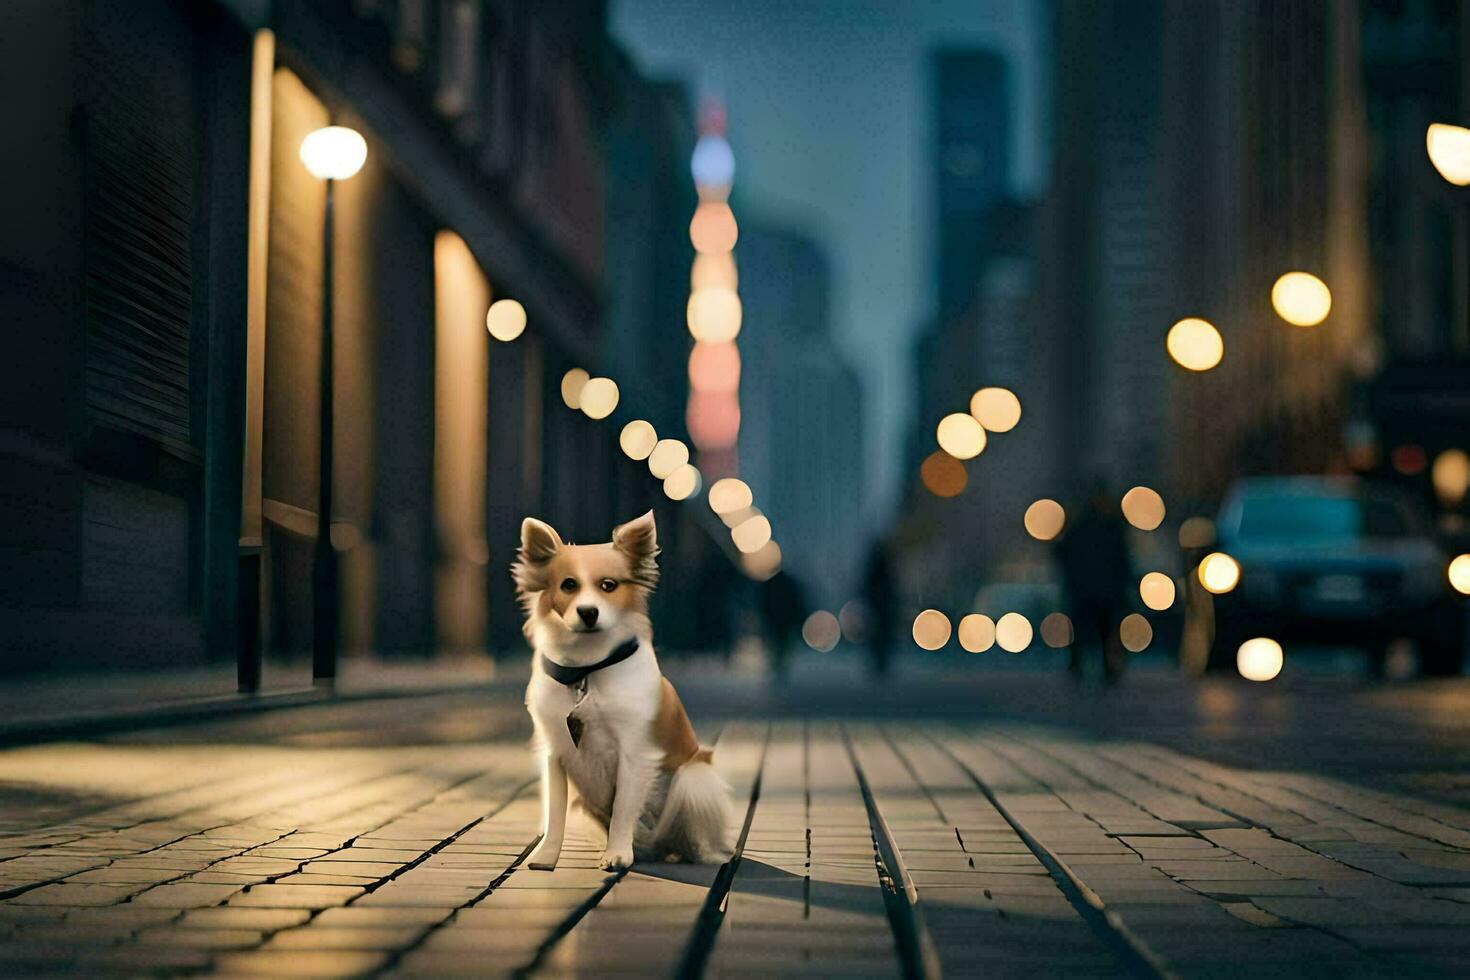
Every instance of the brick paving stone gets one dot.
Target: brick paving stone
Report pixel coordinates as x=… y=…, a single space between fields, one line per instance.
x=300 y=963
x=296 y=896
x=185 y=895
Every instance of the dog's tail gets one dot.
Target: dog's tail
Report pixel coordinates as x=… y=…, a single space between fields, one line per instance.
x=697 y=818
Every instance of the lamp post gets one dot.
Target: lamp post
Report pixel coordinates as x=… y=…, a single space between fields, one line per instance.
x=331 y=154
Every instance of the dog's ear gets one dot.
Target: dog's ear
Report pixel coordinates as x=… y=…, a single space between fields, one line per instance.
x=539 y=541
x=638 y=540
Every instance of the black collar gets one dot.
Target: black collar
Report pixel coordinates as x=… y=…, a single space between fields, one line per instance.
x=563 y=674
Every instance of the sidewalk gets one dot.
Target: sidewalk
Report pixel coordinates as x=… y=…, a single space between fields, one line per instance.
x=867 y=848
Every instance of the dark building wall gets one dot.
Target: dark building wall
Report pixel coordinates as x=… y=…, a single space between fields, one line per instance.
x=115 y=291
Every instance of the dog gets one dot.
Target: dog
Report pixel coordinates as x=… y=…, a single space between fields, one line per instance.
x=606 y=719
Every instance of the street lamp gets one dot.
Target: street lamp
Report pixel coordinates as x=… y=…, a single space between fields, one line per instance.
x=1449 y=151
x=331 y=154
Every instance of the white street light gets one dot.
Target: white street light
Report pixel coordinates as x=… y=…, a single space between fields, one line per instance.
x=334 y=152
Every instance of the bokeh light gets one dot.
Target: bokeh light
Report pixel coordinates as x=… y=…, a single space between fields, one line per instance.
x=667 y=456
x=853 y=618
x=943 y=475
x=713 y=228
x=1013 y=632
x=598 y=398
x=637 y=439
x=1044 y=519
x=1449 y=151
x=997 y=409
x=682 y=483
x=1195 y=344
x=931 y=629
x=571 y=387
x=713 y=164
x=751 y=534
x=714 y=314
x=1056 y=630
x=1301 y=299
x=1409 y=459
x=764 y=563
x=1259 y=659
x=738 y=516
x=506 y=319
x=713 y=419
x=1196 y=532
x=821 y=631
x=1459 y=574
x=1219 y=573
x=960 y=435
x=1157 y=591
x=333 y=152
x=1144 y=508
x=729 y=494
x=1135 y=632
x=713 y=270
x=1451 y=476
x=977 y=633
x=714 y=367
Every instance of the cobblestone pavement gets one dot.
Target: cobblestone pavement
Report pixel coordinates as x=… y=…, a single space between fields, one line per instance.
x=904 y=848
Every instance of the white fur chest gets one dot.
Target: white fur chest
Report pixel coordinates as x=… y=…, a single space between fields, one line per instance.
x=616 y=713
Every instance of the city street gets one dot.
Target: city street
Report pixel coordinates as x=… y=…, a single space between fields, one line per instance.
x=1015 y=824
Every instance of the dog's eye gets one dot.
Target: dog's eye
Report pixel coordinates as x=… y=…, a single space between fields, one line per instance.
x=609 y=584
x=569 y=585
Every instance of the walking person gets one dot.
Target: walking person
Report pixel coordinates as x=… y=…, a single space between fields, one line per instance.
x=1096 y=572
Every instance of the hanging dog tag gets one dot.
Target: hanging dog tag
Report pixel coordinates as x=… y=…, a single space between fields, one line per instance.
x=574 y=724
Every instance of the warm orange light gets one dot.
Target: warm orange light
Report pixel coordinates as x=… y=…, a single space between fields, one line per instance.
x=638 y=439
x=1135 y=632
x=729 y=495
x=1144 y=508
x=713 y=419
x=1013 y=632
x=977 y=633
x=506 y=319
x=667 y=456
x=1044 y=519
x=751 y=534
x=1196 y=532
x=1302 y=299
x=1259 y=659
x=1449 y=151
x=960 y=436
x=1459 y=573
x=571 y=387
x=997 y=409
x=821 y=631
x=931 y=629
x=764 y=563
x=682 y=483
x=713 y=269
x=714 y=315
x=1056 y=631
x=1219 y=573
x=1157 y=591
x=713 y=227
x=943 y=475
x=1195 y=344
x=598 y=398
x=1450 y=475
x=714 y=367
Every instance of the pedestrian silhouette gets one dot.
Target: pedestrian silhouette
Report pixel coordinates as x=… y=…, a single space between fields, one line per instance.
x=1096 y=572
x=880 y=594
x=783 y=609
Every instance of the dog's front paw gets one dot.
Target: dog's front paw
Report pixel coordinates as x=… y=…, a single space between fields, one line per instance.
x=614 y=859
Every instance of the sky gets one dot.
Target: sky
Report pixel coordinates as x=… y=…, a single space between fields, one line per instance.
x=829 y=117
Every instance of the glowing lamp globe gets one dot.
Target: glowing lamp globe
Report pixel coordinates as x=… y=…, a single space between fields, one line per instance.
x=1449 y=151
x=333 y=152
x=1195 y=344
x=1301 y=299
x=506 y=320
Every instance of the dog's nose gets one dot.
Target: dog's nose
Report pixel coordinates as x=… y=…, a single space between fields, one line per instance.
x=588 y=614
